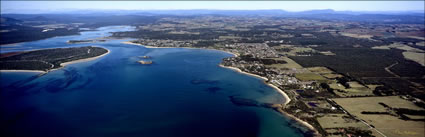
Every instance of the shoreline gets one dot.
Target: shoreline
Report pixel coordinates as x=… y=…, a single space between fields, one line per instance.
x=287 y=99
x=302 y=122
x=11 y=44
x=243 y=72
x=32 y=71
x=152 y=47
x=84 y=60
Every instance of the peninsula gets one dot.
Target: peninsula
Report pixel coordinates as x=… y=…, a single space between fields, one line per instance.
x=49 y=59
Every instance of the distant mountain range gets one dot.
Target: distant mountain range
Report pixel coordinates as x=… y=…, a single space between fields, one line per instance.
x=220 y=12
x=133 y=16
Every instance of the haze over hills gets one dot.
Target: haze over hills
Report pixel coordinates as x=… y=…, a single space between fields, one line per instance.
x=211 y=11
x=326 y=14
x=99 y=18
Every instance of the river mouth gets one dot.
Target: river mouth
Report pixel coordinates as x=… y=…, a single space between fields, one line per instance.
x=183 y=93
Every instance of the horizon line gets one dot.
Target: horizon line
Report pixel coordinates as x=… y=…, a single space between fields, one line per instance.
x=328 y=9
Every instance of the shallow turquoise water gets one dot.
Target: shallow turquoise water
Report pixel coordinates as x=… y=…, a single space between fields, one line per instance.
x=184 y=93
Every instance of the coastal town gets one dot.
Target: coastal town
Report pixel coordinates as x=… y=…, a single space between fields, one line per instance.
x=320 y=97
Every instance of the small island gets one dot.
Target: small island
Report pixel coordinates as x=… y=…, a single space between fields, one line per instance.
x=145 y=62
x=49 y=59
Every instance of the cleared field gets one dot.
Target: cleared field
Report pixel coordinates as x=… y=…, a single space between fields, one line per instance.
x=320 y=70
x=229 y=37
x=330 y=121
x=355 y=84
x=372 y=87
x=290 y=64
x=309 y=77
x=416 y=37
x=359 y=36
x=319 y=104
x=355 y=90
x=399 y=46
x=390 y=126
x=325 y=72
x=414 y=56
x=294 y=50
x=332 y=76
x=328 y=53
x=421 y=44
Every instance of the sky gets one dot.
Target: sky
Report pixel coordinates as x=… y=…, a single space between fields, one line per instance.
x=53 y=6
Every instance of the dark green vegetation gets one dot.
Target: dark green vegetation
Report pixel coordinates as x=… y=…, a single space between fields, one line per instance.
x=29 y=27
x=265 y=61
x=368 y=66
x=49 y=58
x=27 y=33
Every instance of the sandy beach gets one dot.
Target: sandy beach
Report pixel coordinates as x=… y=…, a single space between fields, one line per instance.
x=234 y=54
x=305 y=124
x=84 y=60
x=151 y=47
x=287 y=99
x=132 y=43
x=246 y=73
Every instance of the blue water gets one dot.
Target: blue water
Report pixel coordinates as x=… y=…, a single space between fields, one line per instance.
x=183 y=94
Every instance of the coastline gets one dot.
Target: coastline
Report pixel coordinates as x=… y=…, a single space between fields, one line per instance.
x=234 y=54
x=84 y=60
x=302 y=122
x=287 y=99
x=243 y=72
x=152 y=47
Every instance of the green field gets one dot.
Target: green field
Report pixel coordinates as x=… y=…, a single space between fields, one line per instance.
x=288 y=65
x=399 y=46
x=330 y=122
x=332 y=76
x=320 y=70
x=310 y=77
x=355 y=90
